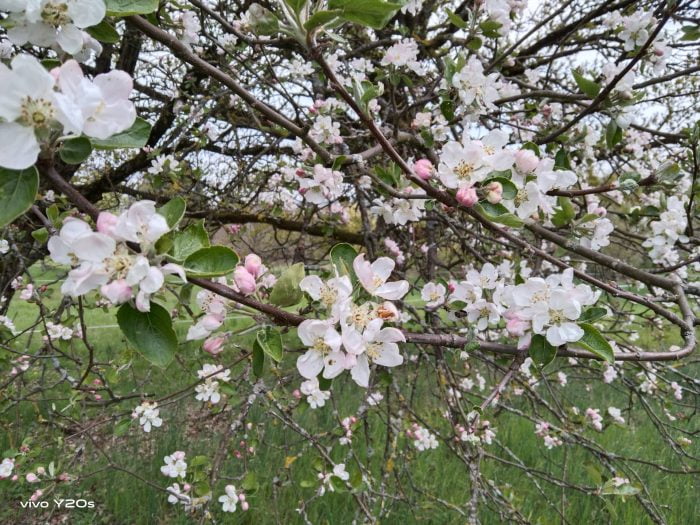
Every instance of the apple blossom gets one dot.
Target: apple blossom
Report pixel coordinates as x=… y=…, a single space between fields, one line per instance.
x=373 y=278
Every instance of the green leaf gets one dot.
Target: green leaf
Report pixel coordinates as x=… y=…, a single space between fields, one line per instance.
x=541 y=351
x=130 y=7
x=594 y=342
x=186 y=242
x=122 y=427
x=447 y=108
x=173 y=211
x=270 y=340
x=456 y=19
x=613 y=134
x=258 y=359
x=371 y=13
x=321 y=18
x=564 y=214
x=134 y=137
x=213 y=261
x=475 y=43
x=498 y=213
x=296 y=5
x=532 y=147
x=490 y=28
x=609 y=489
x=592 y=314
x=104 y=32
x=342 y=256
x=561 y=160
x=286 y=291
x=587 y=87
x=41 y=235
x=150 y=333
x=17 y=192
x=75 y=151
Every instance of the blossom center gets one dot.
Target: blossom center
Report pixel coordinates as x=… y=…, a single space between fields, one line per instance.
x=55 y=14
x=464 y=170
x=321 y=346
x=36 y=113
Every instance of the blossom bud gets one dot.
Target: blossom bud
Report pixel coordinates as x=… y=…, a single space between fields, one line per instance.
x=423 y=168
x=547 y=110
x=244 y=280
x=32 y=478
x=233 y=229
x=106 y=222
x=526 y=161
x=241 y=497
x=296 y=394
x=116 y=292
x=37 y=494
x=214 y=345
x=253 y=264
x=451 y=287
x=494 y=192
x=41 y=471
x=245 y=506
x=467 y=196
x=515 y=325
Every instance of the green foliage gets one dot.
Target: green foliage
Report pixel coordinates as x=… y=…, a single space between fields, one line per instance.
x=286 y=291
x=212 y=261
x=130 y=7
x=370 y=13
x=498 y=213
x=17 y=192
x=134 y=137
x=75 y=151
x=594 y=342
x=173 y=211
x=541 y=351
x=104 y=32
x=342 y=256
x=270 y=341
x=150 y=333
x=587 y=87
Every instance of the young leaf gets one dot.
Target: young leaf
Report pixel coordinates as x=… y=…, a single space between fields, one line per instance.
x=370 y=13
x=75 y=151
x=173 y=211
x=342 y=255
x=130 y=7
x=104 y=32
x=592 y=314
x=587 y=87
x=258 y=359
x=594 y=342
x=564 y=213
x=286 y=291
x=186 y=242
x=134 y=137
x=150 y=333
x=613 y=134
x=17 y=192
x=213 y=261
x=541 y=351
x=270 y=340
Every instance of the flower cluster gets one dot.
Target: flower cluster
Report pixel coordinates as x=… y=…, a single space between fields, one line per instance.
x=362 y=339
x=314 y=395
x=423 y=439
x=668 y=230
x=208 y=390
x=35 y=106
x=542 y=429
x=102 y=259
x=175 y=465
x=147 y=414
x=49 y=22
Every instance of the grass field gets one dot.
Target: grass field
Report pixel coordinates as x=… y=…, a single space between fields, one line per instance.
x=279 y=484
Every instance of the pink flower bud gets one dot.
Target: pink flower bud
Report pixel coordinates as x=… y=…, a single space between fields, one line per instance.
x=300 y=173
x=600 y=211
x=233 y=229
x=467 y=196
x=245 y=506
x=423 y=168
x=241 y=497
x=32 y=478
x=253 y=264
x=15 y=477
x=211 y=322
x=296 y=394
x=494 y=192
x=451 y=287
x=526 y=161
x=41 y=471
x=106 y=223
x=515 y=325
x=186 y=487
x=214 y=345
x=244 y=280
x=37 y=494
x=117 y=292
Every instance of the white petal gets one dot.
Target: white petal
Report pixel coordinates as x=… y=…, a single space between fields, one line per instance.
x=360 y=372
x=310 y=364
x=20 y=148
x=86 y=13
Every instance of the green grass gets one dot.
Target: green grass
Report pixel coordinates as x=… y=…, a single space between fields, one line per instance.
x=281 y=484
